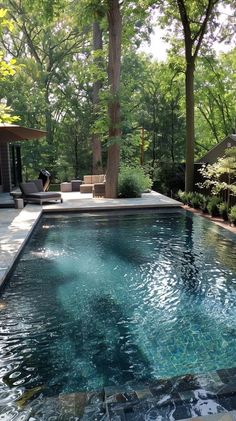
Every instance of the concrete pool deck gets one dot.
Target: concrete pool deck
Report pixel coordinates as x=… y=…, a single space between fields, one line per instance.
x=77 y=202
x=16 y=225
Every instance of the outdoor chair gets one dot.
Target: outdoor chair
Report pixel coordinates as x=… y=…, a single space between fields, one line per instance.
x=32 y=191
x=89 y=181
x=99 y=189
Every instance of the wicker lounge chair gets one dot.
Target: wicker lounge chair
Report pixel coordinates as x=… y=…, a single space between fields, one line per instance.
x=33 y=192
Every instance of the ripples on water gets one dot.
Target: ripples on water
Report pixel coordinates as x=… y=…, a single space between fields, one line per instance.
x=99 y=301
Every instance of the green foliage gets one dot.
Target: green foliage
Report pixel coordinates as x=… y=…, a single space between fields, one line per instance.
x=183 y=196
x=197 y=200
x=8 y=68
x=215 y=99
x=6 y=114
x=220 y=176
x=168 y=177
x=204 y=204
x=133 y=182
x=232 y=215
x=193 y=199
x=223 y=210
x=52 y=39
x=213 y=206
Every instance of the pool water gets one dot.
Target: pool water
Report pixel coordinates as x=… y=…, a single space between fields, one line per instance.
x=102 y=300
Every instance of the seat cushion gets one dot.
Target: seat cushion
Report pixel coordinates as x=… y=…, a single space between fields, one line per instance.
x=99 y=178
x=45 y=195
x=39 y=184
x=87 y=179
x=86 y=188
x=28 y=188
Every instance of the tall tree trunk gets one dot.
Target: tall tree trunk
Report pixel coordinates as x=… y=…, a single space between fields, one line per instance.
x=189 y=92
x=96 y=142
x=193 y=41
x=142 y=147
x=76 y=145
x=115 y=26
x=48 y=117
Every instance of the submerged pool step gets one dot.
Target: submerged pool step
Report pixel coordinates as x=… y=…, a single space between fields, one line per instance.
x=184 y=397
x=70 y=407
x=180 y=398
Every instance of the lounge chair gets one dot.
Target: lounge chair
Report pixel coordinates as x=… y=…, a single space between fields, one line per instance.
x=32 y=191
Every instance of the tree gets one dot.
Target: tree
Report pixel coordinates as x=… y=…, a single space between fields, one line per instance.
x=225 y=167
x=151 y=95
x=193 y=37
x=193 y=17
x=114 y=65
x=8 y=68
x=97 y=85
x=215 y=96
x=49 y=38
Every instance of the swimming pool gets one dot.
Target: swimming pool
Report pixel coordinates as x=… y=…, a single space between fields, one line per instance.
x=98 y=300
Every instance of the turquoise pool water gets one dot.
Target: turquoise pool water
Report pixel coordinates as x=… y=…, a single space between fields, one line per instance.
x=102 y=300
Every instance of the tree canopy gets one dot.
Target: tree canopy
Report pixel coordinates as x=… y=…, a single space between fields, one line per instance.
x=54 y=76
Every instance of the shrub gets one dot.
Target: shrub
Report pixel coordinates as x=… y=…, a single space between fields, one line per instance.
x=223 y=210
x=193 y=199
x=196 y=200
x=205 y=200
x=133 y=182
x=232 y=215
x=212 y=206
x=183 y=196
x=189 y=198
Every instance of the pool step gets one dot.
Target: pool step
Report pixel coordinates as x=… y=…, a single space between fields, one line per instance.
x=75 y=406
x=181 y=398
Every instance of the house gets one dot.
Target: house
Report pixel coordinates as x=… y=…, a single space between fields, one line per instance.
x=10 y=157
x=218 y=151
x=10 y=166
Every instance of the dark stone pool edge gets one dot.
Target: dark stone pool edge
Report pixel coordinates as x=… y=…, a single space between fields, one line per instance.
x=180 y=398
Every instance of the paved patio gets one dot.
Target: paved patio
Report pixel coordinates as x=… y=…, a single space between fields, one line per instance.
x=76 y=201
